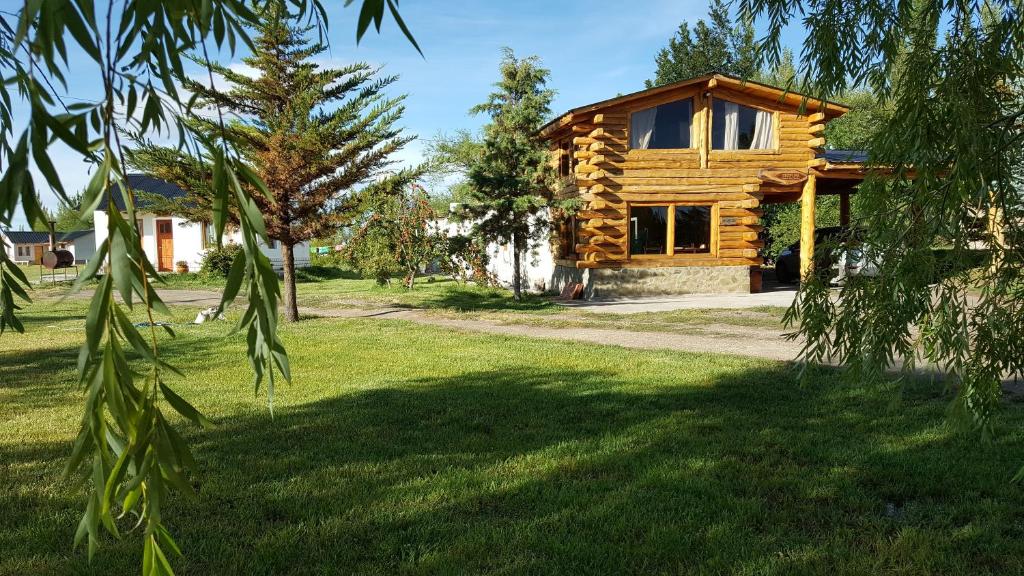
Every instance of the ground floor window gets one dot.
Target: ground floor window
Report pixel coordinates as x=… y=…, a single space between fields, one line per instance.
x=670 y=229
x=648 y=230
x=693 y=230
x=568 y=237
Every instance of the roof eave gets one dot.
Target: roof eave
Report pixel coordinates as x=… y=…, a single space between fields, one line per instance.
x=574 y=115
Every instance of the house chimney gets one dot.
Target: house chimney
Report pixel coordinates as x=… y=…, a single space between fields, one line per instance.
x=53 y=235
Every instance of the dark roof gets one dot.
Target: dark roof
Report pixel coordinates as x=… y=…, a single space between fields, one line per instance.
x=146 y=185
x=844 y=156
x=830 y=108
x=19 y=237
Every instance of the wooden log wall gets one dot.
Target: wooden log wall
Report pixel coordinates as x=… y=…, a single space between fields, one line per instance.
x=609 y=176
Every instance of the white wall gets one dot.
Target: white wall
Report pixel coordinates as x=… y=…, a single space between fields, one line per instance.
x=538 y=265
x=188 y=241
x=83 y=247
x=301 y=252
x=12 y=251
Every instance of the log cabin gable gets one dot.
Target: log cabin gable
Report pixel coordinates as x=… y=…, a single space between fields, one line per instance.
x=706 y=195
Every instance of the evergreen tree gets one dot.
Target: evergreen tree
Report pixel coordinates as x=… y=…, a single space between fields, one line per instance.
x=512 y=178
x=716 y=45
x=66 y=217
x=189 y=173
x=312 y=135
x=448 y=160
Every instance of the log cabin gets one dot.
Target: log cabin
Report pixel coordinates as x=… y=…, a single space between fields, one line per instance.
x=671 y=182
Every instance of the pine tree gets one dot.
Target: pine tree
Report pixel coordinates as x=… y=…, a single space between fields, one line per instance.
x=512 y=179
x=313 y=136
x=714 y=46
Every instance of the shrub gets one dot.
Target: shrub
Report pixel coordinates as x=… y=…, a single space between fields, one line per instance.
x=217 y=260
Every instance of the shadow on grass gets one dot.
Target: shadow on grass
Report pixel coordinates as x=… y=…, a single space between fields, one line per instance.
x=569 y=472
x=314 y=274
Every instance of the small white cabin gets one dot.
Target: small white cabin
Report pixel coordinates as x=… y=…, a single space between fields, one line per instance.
x=28 y=247
x=168 y=239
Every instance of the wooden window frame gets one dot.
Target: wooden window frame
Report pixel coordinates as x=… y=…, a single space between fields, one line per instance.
x=670 y=244
x=207 y=242
x=716 y=154
x=694 y=131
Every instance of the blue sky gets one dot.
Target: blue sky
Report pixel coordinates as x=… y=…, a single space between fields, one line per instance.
x=595 y=49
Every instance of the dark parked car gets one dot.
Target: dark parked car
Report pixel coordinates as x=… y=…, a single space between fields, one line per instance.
x=830 y=259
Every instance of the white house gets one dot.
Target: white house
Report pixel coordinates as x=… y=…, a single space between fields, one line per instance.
x=168 y=239
x=537 y=265
x=29 y=247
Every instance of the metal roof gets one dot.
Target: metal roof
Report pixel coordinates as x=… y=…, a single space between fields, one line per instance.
x=844 y=156
x=32 y=237
x=147 y=185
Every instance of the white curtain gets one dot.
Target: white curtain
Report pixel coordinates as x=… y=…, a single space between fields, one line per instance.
x=642 y=128
x=762 y=131
x=732 y=125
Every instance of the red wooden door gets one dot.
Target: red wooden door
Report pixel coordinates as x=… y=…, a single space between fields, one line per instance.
x=165 y=245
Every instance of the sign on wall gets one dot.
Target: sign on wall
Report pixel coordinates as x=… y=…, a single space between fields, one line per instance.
x=782 y=176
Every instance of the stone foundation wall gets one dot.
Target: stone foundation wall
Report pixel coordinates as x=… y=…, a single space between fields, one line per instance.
x=622 y=282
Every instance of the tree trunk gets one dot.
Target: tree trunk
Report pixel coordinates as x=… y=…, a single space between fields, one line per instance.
x=517 y=278
x=291 y=306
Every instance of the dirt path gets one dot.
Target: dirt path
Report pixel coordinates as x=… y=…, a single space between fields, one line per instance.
x=706 y=338
x=755 y=342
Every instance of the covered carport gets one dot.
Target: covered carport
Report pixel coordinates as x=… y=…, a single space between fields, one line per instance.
x=832 y=173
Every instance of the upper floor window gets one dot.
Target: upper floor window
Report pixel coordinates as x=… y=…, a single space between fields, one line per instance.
x=566 y=161
x=738 y=127
x=662 y=127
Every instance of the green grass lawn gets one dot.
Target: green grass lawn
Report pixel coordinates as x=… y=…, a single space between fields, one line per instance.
x=336 y=288
x=405 y=449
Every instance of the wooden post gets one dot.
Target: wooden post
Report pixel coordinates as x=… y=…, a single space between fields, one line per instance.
x=996 y=235
x=844 y=209
x=807 y=227
x=670 y=242
x=703 y=138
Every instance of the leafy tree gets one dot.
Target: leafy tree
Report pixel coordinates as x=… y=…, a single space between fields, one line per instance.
x=67 y=217
x=948 y=151
x=398 y=235
x=135 y=456
x=782 y=222
x=716 y=45
x=782 y=74
x=449 y=159
x=512 y=179
x=856 y=129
